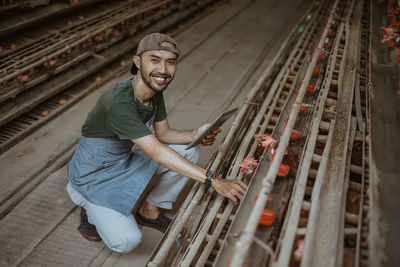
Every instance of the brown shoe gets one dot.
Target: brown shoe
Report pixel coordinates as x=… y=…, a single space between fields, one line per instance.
x=88 y=230
x=161 y=223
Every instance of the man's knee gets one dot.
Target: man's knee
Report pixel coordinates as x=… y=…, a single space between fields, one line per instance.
x=125 y=243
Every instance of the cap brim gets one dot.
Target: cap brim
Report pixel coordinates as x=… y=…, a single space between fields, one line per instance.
x=134 y=69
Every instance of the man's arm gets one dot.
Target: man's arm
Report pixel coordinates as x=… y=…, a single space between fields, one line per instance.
x=170 y=159
x=167 y=135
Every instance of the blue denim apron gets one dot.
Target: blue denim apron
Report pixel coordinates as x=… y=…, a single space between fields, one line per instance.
x=111 y=172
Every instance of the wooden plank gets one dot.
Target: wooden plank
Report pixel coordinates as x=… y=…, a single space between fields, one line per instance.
x=8 y=205
x=34 y=218
x=220 y=38
x=141 y=254
x=200 y=32
x=65 y=246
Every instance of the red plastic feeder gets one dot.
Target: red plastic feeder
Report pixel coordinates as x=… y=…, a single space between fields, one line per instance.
x=303 y=108
x=316 y=71
x=391 y=43
x=330 y=34
x=295 y=135
x=321 y=57
x=283 y=170
x=255 y=199
x=267 y=217
x=310 y=88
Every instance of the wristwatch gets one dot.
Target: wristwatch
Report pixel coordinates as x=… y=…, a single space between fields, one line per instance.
x=210 y=175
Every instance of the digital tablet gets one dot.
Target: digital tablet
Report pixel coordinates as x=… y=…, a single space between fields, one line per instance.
x=223 y=117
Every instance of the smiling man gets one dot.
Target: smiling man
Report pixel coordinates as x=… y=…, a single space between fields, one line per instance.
x=118 y=154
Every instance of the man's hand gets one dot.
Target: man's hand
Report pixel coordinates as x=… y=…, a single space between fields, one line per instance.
x=209 y=139
x=232 y=189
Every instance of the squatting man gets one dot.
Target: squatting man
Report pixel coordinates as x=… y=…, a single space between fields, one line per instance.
x=117 y=154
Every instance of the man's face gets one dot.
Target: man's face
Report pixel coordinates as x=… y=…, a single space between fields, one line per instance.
x=157 y=69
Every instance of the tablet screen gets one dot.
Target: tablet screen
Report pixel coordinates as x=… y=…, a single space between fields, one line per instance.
x=223 y=117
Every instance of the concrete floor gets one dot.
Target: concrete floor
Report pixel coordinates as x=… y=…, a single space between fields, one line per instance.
x=223 y=55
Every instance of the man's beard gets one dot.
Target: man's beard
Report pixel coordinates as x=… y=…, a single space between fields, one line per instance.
x=152 y=85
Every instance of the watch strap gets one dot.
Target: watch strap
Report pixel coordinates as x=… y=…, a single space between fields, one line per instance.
x=210 y=175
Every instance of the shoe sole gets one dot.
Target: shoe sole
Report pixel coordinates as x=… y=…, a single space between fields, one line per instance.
x=142 y=223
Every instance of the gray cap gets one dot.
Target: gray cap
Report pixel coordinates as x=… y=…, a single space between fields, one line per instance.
x=154 y=42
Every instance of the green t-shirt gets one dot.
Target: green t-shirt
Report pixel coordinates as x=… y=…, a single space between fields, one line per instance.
x=119 y=114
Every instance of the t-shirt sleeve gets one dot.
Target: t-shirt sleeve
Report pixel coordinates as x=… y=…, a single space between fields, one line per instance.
x=161 y=113
x=124 y=121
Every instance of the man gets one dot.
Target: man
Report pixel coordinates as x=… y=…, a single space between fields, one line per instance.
x=117 y=154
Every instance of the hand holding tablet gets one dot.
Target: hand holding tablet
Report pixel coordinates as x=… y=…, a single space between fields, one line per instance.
x=221 y=119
